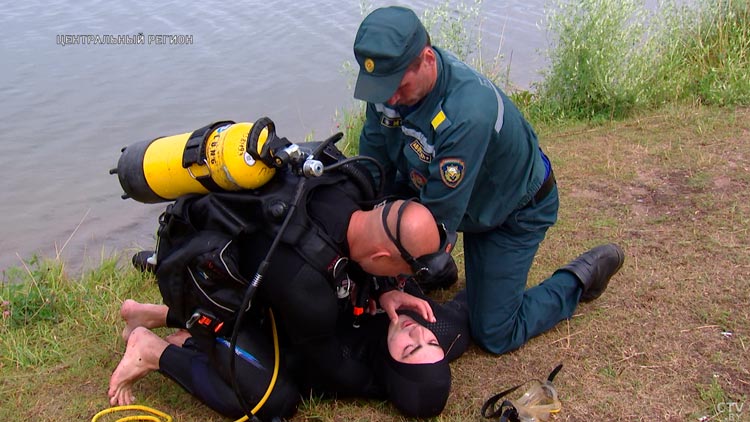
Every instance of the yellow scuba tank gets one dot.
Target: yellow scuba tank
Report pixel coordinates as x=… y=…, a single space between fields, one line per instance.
x=222 y=156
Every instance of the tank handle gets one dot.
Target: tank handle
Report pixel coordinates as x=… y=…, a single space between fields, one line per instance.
x=273 y=143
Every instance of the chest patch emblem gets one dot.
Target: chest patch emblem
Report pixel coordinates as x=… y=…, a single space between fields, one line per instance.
x=451 y=171
x=417 y=179
x=390 y=121
x=418 y=149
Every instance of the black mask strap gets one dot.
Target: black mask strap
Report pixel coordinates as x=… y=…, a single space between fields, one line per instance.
x=413 y=263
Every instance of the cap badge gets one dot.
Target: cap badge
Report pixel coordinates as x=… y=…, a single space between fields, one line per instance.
x=369 y=65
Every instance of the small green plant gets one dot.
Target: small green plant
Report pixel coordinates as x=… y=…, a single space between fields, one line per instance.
x=29 y=295
x=713 y=393
x=27 y=304
x=608 y=371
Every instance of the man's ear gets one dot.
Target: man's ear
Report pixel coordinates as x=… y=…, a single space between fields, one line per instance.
x=429 y=55
x=379 y=254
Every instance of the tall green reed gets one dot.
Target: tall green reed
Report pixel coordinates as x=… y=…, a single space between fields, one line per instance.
x=611 y=58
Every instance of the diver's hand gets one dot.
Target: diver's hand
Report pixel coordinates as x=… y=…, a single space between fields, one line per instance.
x=394 y=300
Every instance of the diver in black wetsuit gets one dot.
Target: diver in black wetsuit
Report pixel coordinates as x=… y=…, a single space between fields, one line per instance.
x=415 y=389
x=321 y=350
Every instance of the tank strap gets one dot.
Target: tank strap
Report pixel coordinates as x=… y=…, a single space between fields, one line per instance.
x=195 y=152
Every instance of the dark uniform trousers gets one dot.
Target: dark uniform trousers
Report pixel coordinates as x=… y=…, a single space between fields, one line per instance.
x=504 y=314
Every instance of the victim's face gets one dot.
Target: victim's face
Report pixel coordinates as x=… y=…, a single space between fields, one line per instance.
x=410 y=342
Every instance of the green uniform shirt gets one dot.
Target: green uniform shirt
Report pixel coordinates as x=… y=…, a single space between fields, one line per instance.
x=465 y=148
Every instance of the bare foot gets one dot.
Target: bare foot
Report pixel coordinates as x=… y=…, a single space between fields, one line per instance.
x=141 y=357
x=146 y=315
x=178 y=337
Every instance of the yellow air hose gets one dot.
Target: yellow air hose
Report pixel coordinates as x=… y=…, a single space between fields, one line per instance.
x=155 y=415
x=275 y=369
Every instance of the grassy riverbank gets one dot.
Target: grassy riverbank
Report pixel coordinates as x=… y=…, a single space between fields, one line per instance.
x=671 y=183
x=668 y=341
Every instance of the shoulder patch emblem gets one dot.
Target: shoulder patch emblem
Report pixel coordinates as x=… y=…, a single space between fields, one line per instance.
x=417 y=179
x=451 y=171
x=418 y=149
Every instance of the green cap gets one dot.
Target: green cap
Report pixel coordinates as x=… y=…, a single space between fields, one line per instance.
x=387 y=41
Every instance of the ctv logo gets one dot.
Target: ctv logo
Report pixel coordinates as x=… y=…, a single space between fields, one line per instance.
x=730 y=411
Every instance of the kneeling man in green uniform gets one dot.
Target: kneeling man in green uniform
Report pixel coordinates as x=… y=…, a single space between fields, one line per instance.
x=448 y=135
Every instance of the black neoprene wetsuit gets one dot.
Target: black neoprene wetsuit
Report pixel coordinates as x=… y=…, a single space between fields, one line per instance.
x=320 y=348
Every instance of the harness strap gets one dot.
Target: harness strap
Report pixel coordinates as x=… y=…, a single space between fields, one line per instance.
x=315 y=247
x=306 y=238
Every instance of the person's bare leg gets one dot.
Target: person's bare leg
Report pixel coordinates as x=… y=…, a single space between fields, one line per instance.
x=141 y=357
x=178 y=337
x=138 y=314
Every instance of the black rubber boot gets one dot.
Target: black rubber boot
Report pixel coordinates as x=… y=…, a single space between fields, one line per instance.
x=141 y=261
x=594 y=268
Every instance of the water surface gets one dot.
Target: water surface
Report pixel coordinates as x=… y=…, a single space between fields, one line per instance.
x=66 y=111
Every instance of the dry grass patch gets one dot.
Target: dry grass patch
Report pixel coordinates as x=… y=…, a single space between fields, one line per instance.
x=669 y=339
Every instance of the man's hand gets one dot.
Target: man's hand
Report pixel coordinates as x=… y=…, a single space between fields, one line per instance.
x=394 y=300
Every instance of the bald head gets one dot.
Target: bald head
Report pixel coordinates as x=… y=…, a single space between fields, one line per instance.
x=371 y=247
x=416 y=229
